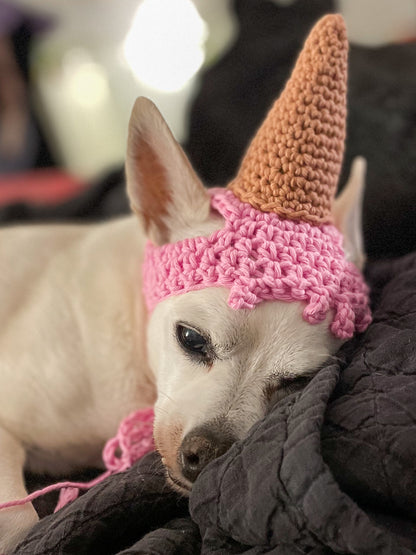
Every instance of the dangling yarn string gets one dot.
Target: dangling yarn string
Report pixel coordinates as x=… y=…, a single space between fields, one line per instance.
x=133 y=440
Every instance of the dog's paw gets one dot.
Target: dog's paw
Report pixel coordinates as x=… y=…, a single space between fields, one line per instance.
x=15 y=523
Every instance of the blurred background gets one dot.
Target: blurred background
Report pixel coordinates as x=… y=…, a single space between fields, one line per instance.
x=85 y=61
x=71 y=69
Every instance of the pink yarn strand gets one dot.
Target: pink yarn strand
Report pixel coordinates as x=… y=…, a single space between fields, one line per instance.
x=133 y=440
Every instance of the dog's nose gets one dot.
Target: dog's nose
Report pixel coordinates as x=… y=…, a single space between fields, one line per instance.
x=199 y=447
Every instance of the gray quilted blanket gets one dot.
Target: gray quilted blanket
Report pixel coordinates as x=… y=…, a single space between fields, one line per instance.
x=329 y=470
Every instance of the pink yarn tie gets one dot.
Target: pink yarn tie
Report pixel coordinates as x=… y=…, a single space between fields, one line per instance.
x=133 y=440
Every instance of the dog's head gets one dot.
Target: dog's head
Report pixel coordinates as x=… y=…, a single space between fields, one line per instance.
x=249 y=289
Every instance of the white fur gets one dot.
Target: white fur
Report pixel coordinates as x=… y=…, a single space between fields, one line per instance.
x=254 y=348
x=73 y=357
x=72 y=360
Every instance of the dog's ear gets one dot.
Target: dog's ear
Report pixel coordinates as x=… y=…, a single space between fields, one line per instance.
x=163 y=188
x=347 y=212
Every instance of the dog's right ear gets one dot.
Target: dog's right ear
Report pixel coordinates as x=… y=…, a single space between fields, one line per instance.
x=347 y=211
x=163 y=188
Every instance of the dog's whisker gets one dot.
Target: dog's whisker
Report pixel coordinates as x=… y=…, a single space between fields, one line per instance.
x=169 y=397
x=176 y=403
x=189 y=412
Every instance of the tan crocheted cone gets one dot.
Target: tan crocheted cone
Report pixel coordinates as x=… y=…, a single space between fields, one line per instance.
x=293 y=163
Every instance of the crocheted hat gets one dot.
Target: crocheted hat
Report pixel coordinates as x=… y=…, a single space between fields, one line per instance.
x=293 y=163
x=277 y=242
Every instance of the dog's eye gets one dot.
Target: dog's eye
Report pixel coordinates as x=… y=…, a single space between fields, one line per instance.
x=276 y=390
x=192 y=341
x=297 y=382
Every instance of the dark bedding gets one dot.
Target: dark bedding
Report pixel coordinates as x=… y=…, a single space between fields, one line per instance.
x=329 y=470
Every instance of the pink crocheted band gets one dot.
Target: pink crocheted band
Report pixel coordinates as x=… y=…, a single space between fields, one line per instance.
x=260 y=257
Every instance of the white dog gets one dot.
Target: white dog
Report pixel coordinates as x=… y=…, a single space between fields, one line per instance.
x=74 y=328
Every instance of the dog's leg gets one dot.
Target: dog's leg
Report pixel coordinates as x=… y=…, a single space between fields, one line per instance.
x=15 y=522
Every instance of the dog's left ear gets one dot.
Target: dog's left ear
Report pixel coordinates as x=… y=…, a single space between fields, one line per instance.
x=347 y=212
x=163 y=188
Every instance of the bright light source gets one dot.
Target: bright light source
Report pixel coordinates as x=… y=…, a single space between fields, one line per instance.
x=164 y=46
x=86 y=80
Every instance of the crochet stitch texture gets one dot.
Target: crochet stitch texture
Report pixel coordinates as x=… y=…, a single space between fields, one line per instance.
x=260 y=256
x=293 y=163
x=278 y=241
